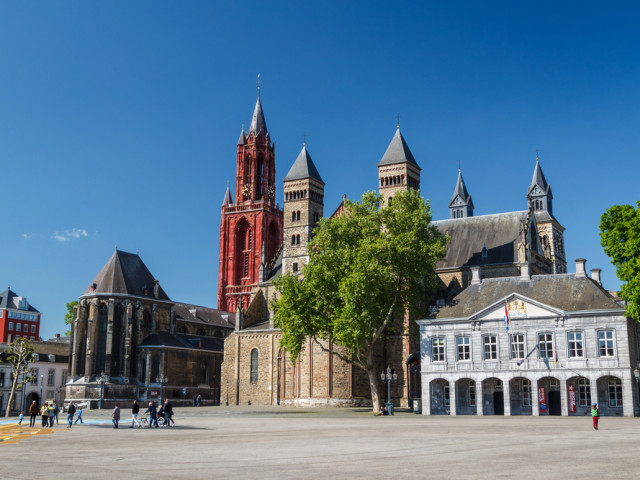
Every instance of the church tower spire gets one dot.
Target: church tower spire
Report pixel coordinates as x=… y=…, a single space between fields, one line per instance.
x=250 y=229
x=539 y=194
x=397 y=170
x=460 y=205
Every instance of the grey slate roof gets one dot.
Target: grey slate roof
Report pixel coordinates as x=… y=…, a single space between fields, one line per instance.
x=9 y=299
x=539 y=180
x=242 y=140
x=397 y=151
x=165 y=339
x=258 y=123
x=303 y=167
x=204 y=315
x=565 y=292
x=227 y=197
x=125 y=273
x=461 y=190
x=499 y=233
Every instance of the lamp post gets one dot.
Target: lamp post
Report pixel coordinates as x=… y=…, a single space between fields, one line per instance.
x=103 y=378
x=41 y=382
x=389 y=377
x=162 y=380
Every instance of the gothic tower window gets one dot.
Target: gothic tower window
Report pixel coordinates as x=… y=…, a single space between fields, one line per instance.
x=254 y=365
x=101 y=341
x=260 y=176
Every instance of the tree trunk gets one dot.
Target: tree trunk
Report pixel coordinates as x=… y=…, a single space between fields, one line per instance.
x=374 y=381
x=14 y=386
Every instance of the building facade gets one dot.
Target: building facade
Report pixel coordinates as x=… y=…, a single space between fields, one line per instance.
x=18 y=318
x=51 y=371
x=568 y=344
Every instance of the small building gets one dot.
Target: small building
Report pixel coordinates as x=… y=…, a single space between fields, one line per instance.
x=568 y=344
x=18 y=318
x=50 y=361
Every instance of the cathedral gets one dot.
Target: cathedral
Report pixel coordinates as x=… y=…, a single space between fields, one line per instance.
x=260 y=241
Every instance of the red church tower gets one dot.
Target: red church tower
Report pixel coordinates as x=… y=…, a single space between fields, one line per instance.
x=250 y=229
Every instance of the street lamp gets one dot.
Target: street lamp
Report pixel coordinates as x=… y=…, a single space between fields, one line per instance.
x=41 y=382
x=162 y=380
x=103 y=378
x=389 y=377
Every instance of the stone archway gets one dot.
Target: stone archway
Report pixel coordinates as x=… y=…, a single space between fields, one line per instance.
x=578 y=396
x=466 y=397
x=439 y=396
x=520 y=391
x=492 y=396
x=609 y=395
x=549 y=397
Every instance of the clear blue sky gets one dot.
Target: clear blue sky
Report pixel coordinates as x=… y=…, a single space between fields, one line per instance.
x=119 y=120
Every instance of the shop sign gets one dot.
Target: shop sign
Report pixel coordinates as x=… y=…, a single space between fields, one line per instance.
x=572 y=399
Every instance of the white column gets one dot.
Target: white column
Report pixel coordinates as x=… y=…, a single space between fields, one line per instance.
x=564 y=400
x=627 y=394
x=452 y=397
x=479 y=398
x=426 y=396
x=506 y=394
x=535 y=408
x=593 y=383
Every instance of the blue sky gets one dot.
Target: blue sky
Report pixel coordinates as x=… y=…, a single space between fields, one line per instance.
x=119 y=120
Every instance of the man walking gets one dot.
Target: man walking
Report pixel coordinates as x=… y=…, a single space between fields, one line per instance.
x=52 y=414
x=44 y=411
x=168 y=414
x=115 y=416
x=33 y=412
x=153 y=415
x=71 y=411
x=135 y=408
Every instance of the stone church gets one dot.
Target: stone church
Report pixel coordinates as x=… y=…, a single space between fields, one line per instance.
x=259 y=241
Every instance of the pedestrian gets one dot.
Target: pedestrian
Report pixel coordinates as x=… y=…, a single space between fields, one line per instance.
x=79 y=416
x=153 y=415
x=71 y=411
x=115 y=416
x=135 y=408
x=52 y=414
x=595 y=414
x=168 y=414
x=20 y=418
x=160 y=413
x=56 y=411
x=195 y=400
x=199 y=400
x=44 y=411
x=33 y=411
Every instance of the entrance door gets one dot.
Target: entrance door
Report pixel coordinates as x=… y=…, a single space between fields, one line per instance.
x=554 y=403
x=498 y=403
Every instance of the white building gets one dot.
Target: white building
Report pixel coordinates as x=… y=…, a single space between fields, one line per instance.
x=51 y=369
x=568 y=345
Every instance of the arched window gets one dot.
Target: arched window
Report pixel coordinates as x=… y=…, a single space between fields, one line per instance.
x=182 y=329
x=293 y=239
x=254 y=365
x=298 y=215
x=293 y=216
x=297 y=239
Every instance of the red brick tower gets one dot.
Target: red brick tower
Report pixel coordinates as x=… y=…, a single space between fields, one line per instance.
x=250 y=229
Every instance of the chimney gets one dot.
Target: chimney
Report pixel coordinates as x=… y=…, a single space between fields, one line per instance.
x=56 y=336
x=595 y=275
x=525 y=274
x=156 y=289
x=476 y=275
x=580 y=271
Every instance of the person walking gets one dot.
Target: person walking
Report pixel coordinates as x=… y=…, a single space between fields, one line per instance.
x=199 y=400
x=135 y=408
x=71 y=411
x=52 y=413
x=56 y=412
x=44 y=411
x=153 y=415
x=79 y=416
x=20 y=418
x=33 y=411
x=115 y=416
x=168 y=414
x=595 y=414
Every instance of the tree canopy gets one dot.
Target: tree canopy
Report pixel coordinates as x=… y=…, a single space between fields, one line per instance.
x=620 y=237
x=70 y=315
x=364 y=266
x=19 y=356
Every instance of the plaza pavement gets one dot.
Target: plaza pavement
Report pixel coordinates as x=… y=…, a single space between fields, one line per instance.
x=284 y=443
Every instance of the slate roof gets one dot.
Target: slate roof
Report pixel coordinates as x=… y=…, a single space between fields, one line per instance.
x=10 y=299
x=539 y=180
x=499 y=233
x=227 y=197
x=564 y=291
x=303 y=167
x=397 y=152
x=204 y=315
x=461 y=190
x=258 y=123
x=166 y=340
x=125 y=273
x=242 y=140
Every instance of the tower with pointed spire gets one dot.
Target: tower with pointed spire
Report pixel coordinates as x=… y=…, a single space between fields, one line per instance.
x=398 y=170
x=550 y=232
x=303 y=208
x=250 y=228
x=460 y=205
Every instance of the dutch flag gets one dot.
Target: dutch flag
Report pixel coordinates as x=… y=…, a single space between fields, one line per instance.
x=506 y=316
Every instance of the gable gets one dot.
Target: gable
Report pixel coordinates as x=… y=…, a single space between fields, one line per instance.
x=518 y=307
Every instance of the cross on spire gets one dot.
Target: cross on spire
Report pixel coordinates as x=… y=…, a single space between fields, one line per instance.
x=259 y=82
x=398 y=119
x=304 y=139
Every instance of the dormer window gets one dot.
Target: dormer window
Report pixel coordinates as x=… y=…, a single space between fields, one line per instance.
x=52 y=358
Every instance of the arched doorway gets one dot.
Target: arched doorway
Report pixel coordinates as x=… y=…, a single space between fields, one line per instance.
x=466 y=402
x=493 y=396
x=439 y=396
x=578 y=396
x=30 y=398
x=610 y=395
x=520 y=395
x=549 y=401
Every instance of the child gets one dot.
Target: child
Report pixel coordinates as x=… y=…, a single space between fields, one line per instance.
x=20 y=418
x=595 y=413
x=79 y=416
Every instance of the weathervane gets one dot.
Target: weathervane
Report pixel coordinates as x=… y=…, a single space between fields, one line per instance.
x=304 y=139
x=398 y=119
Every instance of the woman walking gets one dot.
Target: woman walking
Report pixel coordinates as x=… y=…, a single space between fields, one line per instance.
x=115 y=416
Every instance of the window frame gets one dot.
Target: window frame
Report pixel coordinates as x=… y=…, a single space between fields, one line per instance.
x=570 y=344
x=512 y=344
x=485 y=345
x=584 y=392
x=548 y=342
x=254 y=366
x=612 y=340
x=463 y=349
x=525 y=388
x=472 y=393
x=440 y=344
x=616 y=384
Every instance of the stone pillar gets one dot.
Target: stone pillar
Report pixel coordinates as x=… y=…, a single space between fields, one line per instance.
x=172 y=320
x=426 y=396
x=593 y=384
x=453 y=398
x=79 y=325
x=564 y=398
x=138 y=320
x=535 y=408
x=109 y=342
x=506 y=395
x=479 y=399
x=147 y=372
x=628 y=405
x=92 y=335
x=154 y=318
x=128 y=326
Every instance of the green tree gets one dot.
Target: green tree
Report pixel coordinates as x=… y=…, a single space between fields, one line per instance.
x=19 y=356
x=364 y=266
x=620 y=237
x=70 y=315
